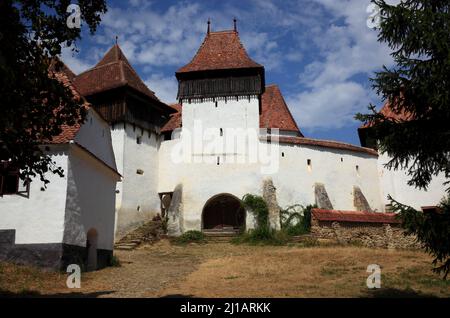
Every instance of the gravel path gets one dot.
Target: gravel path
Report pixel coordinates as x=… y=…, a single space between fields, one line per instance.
x=144 y=272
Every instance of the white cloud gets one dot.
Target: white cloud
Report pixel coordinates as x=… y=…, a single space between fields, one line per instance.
x=72 y=60
x=330 y=106
x=345 y=50
x=165 y=88
x=331 y=35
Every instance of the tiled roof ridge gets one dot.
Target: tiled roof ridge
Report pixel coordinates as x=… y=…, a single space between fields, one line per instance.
x=137 y=75
x=354 y=216
x=324 y=143
x=201 y=54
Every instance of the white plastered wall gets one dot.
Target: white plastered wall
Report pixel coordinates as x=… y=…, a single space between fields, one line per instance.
x=90 y=200
x=294 y=181
x=95 y=136
x=137 y=195
x=395 y=183
x=39 y=218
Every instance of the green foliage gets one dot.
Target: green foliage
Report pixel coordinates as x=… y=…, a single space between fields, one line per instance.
x=296 y=219
x=34 y=104
x=257 y=206
x=417 y=87
x=115 y=262
x=432 y=229
x=191 y=237
x=262 y=236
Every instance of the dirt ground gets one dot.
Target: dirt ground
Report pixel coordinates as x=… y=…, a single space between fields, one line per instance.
x=226 y=270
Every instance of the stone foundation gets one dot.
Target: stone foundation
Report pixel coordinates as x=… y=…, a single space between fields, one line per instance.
x=53 y=256
x=387 y=234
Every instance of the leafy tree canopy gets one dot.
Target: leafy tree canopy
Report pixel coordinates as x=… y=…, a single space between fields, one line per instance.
x=417 y=89
x=33 y=104
x=415 y=129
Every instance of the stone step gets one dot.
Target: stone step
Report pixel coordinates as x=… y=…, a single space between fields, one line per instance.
x=145 y=233
x=124 y=247
x=127 y=244
x=221 y=234
x=220 y=239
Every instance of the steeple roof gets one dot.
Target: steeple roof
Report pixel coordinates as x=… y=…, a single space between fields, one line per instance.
x=112 y=71
x=220 y=51
x=275 y=113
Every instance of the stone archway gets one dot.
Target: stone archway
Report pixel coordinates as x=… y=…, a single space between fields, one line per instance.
x=91 y=247
x=223 y=212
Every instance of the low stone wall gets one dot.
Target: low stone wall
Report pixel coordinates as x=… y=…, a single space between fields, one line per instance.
x=381 y=234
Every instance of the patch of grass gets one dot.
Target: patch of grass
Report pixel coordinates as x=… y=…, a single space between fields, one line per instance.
x=191 y=237
x=262 y=236
x=231 y=277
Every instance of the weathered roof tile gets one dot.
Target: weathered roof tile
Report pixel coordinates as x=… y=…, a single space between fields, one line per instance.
x=220 y=51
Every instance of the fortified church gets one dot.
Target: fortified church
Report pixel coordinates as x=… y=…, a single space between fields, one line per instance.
x=135 y=157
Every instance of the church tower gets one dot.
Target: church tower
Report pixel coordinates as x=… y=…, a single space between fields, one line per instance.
x=136 y=116
x=220 y=89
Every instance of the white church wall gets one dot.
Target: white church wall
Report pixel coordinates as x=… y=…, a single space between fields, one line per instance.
x=334 y=168
x=242 y=113
x=90 y=202
x=40 y=217
x=95 y=135
x=339 y=170
x=138 y=199
x=395 y=183
x=293 y=180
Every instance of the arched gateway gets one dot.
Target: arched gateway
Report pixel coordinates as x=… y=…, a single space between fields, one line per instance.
x=223 y=212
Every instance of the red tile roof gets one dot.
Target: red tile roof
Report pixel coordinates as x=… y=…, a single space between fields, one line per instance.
x=112 y=71
x=220 y=51
x=68 y=132
x=175 y=119
x=326 y=144
x=354 y=216
x=275 y=113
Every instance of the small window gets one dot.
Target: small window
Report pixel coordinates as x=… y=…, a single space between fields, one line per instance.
x=308 y=162
x=139 y=140
x=282 y=154
x=217 y=104
x=357 y=170
x=140 y=171
x=342 y=159
x=221 y=132
x=218 y=160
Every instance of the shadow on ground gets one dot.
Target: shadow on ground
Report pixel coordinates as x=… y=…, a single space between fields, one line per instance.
x=35 y=294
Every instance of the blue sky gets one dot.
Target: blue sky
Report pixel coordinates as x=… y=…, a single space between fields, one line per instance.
x=320 y=52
